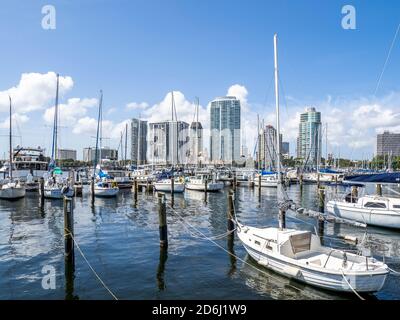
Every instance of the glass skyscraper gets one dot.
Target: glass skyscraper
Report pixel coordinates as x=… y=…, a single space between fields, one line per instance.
x=309 y=139
x=225 y=130
x=138 y=141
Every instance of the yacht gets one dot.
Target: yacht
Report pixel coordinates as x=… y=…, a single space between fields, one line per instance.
x=165 y=185
x=268 y=179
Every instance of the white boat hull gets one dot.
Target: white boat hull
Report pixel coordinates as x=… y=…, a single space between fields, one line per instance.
x=336 y=282
x=106 y=192
x=56 y=193
x=212 y=186
x=372 y=216
x=166 y=187
x=12 y=193
x=268 y=184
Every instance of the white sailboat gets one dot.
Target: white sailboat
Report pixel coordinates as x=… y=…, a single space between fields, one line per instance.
x=299 y=254
x=55 y=186
x=103 y=187
x=267 y=180
x=11 y=189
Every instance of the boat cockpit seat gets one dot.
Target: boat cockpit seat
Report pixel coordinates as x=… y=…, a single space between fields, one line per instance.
x=300 y=242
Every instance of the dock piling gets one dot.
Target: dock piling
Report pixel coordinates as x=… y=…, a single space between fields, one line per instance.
x=68 y=228
x=231 y=212
x=92 y=190
x=162 y=218
x=379 y=189
x=282 y=219
x=172 y=191
x=41 y=190
x=205 y=190
x=321 y=199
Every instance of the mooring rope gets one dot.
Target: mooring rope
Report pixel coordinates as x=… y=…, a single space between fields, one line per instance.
x=348 y=283
x=90 y=266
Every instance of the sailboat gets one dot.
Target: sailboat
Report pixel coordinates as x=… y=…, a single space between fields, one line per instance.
x=299 y=255
x=55 y=186
x=11 y=189
x=104 y=186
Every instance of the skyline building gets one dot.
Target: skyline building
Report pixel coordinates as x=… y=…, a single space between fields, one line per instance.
x=168 y=142
x=309 y=137
x=138 y=141
x=196 y=142
x=66 y=154
x=105 y=153
x=267 y=147
x=225 y=130
x=388 y=143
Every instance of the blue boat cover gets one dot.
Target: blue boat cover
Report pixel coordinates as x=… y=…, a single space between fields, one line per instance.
x=388 y=177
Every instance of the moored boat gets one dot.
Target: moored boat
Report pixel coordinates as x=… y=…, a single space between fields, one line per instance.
x=202 y=181
x=165 y=185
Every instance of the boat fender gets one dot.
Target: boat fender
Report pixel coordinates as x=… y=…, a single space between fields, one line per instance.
x=264 y=263
x=292 y=271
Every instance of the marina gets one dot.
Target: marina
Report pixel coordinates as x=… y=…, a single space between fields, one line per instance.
x=120 y=239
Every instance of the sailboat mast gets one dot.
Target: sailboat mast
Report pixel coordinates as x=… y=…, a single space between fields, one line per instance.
x=197 y=131
x=97 y=134
x=11 y=153
x=278 y=147
x=258 y=139
x=55 y=125
x=126 y=141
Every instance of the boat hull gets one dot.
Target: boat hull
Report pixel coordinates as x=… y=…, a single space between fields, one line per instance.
x=106 y=192
x=56 y=193
x=268 y=184
x=361 y=283
x=376 y=217
x=12 y=193
x=211 y=187
x=166 y=187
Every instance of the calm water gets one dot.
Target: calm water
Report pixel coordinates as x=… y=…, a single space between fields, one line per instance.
x=121 y=242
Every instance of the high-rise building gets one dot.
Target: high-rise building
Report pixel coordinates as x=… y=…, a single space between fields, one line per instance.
x=196 y=142
x=225 y=130
x=138 y=141
x=66 y=154
x=267 y=147
x=388 y=143
x=168 y=142
x=309 y=139
x=285 y=150
x=105 y=153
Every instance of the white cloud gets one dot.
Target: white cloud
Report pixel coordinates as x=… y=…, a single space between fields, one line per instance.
x=185 y=110
x=88 y=126
x=70 y=112
x=137 y=106
x=16 y=119
x=241 y=93
x=34 y=91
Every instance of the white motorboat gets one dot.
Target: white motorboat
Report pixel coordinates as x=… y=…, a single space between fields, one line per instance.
x=198 y=183
x=267 y=180
x=371 y=210
x=12 y=190
x=106 y=189
x=55 y=187
x=299 y=255
x=165 y=185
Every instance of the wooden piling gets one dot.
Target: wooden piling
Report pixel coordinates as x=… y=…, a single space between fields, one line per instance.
x=68 y=228
x=92 y=190
x=205 y=190
x=379 y=189
x=231 y=211
x=136 y=189
x=321 y=199
x=41 y=189
x=259 y=187
x=172 y=190
x=234 y=182
x=162 y=218
x=282 y=219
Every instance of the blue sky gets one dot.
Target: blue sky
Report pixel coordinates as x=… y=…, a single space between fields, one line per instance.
x=138 y=51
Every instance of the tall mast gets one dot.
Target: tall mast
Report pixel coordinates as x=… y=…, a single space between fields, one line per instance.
x=55 y=125
x=326 y=146
x=11 y=153
x=278 y=147
x=197 y=131
x=97 y=134
x=259 y=145
x=126 y=141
